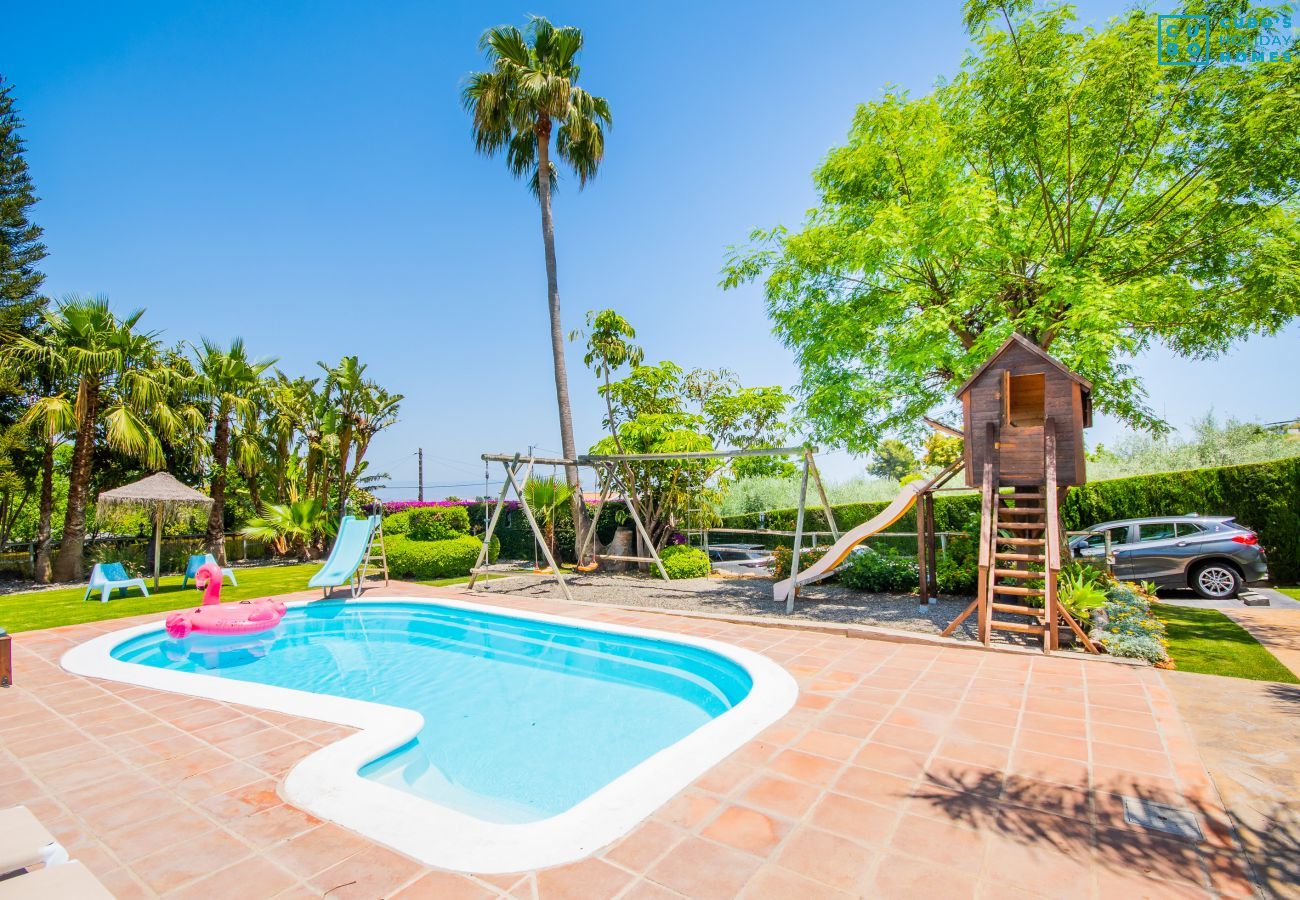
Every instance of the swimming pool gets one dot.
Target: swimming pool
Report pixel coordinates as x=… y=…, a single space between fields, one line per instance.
x=491 y=740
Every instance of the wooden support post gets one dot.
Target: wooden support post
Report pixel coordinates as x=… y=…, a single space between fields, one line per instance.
x=1051 y=537
x=988 y=535
x=922 y=568
x=798 y=539
x=930 y=547
x=641 y=529
x=492 y=525
x=537 y=531
x=6 y=660
x=821 y=493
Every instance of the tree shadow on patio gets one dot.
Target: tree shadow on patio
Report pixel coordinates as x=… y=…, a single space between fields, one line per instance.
x=1089 y=824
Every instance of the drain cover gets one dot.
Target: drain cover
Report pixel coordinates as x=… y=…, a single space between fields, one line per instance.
x=1162 y=817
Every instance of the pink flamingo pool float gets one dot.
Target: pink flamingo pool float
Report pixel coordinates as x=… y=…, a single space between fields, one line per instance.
x=215 y=617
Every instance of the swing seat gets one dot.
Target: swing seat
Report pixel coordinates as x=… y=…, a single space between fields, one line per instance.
x=591 y=568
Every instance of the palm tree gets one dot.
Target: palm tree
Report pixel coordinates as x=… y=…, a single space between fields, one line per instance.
x=546 y=496
x=52 y=418
x=529 y=93
x=117 y=384
x=290 y=526
x=229 y=384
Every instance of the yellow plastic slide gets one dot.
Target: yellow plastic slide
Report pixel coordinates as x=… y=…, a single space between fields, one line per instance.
x=840 y=549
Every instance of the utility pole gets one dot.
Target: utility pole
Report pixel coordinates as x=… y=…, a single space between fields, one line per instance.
x=420 y=453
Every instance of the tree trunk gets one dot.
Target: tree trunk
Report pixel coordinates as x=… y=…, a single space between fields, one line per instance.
x=69 y=564
x=567 y=444
x=41 y=569
x=214 y=541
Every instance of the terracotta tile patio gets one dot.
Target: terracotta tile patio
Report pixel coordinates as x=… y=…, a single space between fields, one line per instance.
x=904 y=770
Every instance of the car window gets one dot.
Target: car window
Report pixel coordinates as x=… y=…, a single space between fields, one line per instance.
x=1117 y=536
x=1155 y=531
x=1187 y=528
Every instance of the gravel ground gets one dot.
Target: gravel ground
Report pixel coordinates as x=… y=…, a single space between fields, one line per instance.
x=752 y=597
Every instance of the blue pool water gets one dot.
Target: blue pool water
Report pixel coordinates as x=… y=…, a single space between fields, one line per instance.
x=522 y=718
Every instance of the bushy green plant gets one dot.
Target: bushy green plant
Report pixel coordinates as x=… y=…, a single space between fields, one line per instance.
x=1126 y=626
x=681 y=561
x=398 y=522
x=957 y=569
x=880 y=571
x=783 y=555
x=438 y=523
x=423 y=560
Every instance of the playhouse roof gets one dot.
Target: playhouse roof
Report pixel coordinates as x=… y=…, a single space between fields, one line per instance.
x=1029 y=345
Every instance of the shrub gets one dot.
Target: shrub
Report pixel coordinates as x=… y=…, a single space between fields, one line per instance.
x=783 y=555
x=423 y=560
x=1125 y=626
x=398 y=522
x=880 y=571
x=438 y=523
x=681 y=561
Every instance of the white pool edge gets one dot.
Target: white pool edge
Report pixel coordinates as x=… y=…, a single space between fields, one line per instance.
x=327 y=785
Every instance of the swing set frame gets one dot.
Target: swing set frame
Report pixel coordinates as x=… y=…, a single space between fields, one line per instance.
x=611 y=473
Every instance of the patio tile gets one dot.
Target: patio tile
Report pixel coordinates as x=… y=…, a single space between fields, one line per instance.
x=747 y=829
x=806 y=767
x=858 y=820
x=180 y=863
x=688 y=809
x=703 y=870
x=827 y=858
x=318 y=849
x=647 y=842
x=581 y=880
x=445 y=886
x=150 y=835
x=907 y=879
x=253 y=877
x=772 y=883
x=939 y=842
x=374 y=872
x=780 y=795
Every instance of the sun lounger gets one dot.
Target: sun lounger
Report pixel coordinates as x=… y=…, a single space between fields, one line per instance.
x=71 y=881
x=198 y=559
x=108 y=577
x=25 y=842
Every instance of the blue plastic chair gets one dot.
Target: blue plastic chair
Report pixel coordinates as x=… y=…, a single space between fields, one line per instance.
x=198 y=559
x=108 y=577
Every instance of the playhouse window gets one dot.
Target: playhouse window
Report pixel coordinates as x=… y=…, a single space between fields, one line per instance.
x=1025 y=399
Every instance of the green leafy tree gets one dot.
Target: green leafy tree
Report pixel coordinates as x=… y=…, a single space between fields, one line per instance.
x=119 y=387
x=21 y=249
x=229 y=385
x=529 y=95
x=893 y=459
x=290 y=527
x=942 y=450
x=1062 y=185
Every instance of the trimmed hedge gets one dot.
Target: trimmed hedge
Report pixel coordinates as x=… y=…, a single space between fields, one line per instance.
x=681 y=561
x=438 y=523
x=423 y=560
x=1262 y=496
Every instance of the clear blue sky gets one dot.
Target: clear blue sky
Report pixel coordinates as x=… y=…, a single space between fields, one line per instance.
x=301 y=174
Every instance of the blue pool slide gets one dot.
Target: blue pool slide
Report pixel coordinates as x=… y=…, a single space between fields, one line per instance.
x=348 y=552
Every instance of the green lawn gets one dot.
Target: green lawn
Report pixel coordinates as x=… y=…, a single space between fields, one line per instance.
x=1207 y=641
x=1292 y=592
x=47 y=609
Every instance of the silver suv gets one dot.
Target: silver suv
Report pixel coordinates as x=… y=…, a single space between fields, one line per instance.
x=1212 y=555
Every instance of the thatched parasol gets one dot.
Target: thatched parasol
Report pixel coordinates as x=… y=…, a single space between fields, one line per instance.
x=161 y=493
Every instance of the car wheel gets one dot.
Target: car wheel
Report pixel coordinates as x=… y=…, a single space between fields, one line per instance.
x=1216 y=581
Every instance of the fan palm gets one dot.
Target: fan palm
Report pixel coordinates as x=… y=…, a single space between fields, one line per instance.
x=118 y=385
x=529 y=93
x=290 y=526
x=229 y=385
x=546 y=496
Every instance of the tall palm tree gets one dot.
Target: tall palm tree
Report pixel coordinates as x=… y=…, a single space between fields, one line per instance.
x=229 y=384
x=52 y=418
x=530 y=93
x=118 y=385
